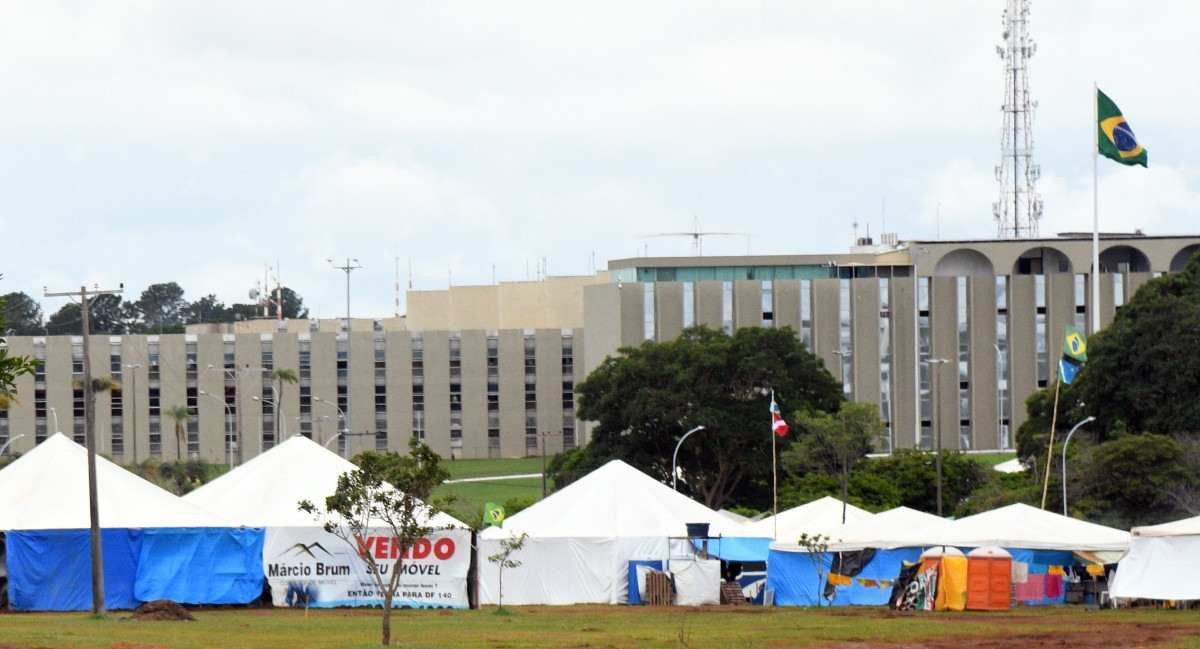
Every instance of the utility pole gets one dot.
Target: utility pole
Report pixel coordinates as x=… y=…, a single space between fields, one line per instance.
x=133 y=368
x=89 y=433
x=544 y=435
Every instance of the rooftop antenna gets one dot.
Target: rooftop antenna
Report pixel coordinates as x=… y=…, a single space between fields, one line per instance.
x=397 y=296
x=1019 y=208
x=697 y=236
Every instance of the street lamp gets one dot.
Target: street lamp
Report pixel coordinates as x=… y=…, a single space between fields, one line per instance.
x=937 y=426
x=54 y=415
x=345 y=425
x=675 y=455
x=1088 y=419
x=9 y=443
x=228 y=425
x=336 y=434
x=276 y=411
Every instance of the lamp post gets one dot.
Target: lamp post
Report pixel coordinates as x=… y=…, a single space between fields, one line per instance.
x=1086 y=420
x=345 y=424
x=236 y=440
x=350 y=266
x=336 y=434
x=228 y=425
x=675 y=455
x=54 y=415
x=937 y=425
x=133 y=368
x=5 y=446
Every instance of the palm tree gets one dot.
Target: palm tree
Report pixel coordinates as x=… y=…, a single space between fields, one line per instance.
x=281 y=376
x=182 y=416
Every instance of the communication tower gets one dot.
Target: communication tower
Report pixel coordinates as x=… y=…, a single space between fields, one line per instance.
x=1019 y=207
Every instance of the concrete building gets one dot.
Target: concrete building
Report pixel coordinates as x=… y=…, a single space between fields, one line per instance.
x=487 y=371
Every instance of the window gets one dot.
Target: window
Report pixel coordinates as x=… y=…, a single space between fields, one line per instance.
x=727 y=307
x=417 y=350
x=1042 y=357
x=39 y=391
x=1080 y=302
x=689 y=305
x=193 y=422
x=1003 y=440
x=228 y=355
x=304 y=374
x=768 y=303
x=924 y=372
x=267 y=354
x=1118 y=290
x=648 y=327
x=568 y=393
x=885 y=363
x=806 y=320
x=964 y=364
x=5 y=431
x=846 y=338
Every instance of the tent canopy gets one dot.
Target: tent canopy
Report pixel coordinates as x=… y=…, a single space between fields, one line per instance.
x=614 y=501
x=895 y=528
x=266 y=491
x=1022 y=526
x=47 y=489
x=821 y=516
x=1183 y=527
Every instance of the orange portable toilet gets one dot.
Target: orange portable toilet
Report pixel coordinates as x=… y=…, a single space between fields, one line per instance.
x=989 y=579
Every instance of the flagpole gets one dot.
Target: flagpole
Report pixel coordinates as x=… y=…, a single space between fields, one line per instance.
x=1095 y=208
x=774 y=477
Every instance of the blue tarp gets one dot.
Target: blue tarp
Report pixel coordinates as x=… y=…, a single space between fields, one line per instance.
x=737 y=548
x=200 y=565
x=1039 y=564
x=50 y=570
x=634 y=596
x=793 y=577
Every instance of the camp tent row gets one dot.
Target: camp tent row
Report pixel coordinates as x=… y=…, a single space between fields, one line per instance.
x=581 y=539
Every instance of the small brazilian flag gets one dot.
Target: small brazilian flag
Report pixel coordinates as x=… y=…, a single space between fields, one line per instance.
x=1116 y=138
x=1075 y=345
x=493 y=514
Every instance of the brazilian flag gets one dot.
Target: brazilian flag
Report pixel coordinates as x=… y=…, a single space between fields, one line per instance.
x=1116 y=139
x=493 y=514
x=1074 y=354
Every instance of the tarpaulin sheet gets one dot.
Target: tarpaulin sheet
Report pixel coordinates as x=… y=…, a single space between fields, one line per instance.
x=736 y=548
x=1159 y=567
x=794 y=578
x=216 y=565
x=1041 y=588
x=51 y=570
x=563 y=571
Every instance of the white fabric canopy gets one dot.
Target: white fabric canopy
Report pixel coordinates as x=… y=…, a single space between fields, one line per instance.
x=1163 y=562
x=266 y=491
x=895 y=528
x=1024 y=527
x=47 y=488
x=821 y=516
x=582 y=538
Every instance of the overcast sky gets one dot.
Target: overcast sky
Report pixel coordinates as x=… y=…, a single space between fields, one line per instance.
x=196 y=142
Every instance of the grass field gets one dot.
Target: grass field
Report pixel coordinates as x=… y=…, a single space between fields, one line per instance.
x=614 y=626
x=490 y=467
x=471 y=496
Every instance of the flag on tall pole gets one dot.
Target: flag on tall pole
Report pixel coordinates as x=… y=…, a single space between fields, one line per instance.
x=778 y=425
x=780 y=429
x=1114 y=139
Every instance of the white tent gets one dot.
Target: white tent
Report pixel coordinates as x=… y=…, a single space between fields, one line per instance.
x=47 y=488
x=1023 y=527
x=582 y=537
x=266 y=491
x=895 y=528
x=821 y=516
x=1163 y=562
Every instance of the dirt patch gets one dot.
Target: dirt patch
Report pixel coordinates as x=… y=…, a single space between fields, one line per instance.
x=1147 y=636
x=161 y=610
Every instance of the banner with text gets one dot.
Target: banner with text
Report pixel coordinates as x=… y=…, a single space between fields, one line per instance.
x=309 y=567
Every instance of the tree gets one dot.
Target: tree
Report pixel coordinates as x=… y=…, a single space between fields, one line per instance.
x=68 y=320
x=644 y=398
x=913 y=473
x=208 y=309
x=11 y=367
x=816 y=546
x=503 y=559
x=281 y=376
x=835 y=442
x=108 y=316
x=1143 y=372
x=181 y=416
x=161 y=308
x=1128 y=481
x=22 y=314
x=293 y=304
x=387 y=490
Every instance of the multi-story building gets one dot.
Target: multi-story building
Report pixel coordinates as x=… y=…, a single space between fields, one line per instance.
x=486 y=371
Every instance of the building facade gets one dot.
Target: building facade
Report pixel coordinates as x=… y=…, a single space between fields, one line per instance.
x=947 y=337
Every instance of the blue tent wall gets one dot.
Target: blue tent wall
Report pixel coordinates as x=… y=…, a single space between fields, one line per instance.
x=1039 y=564
x=51 y=570
x=793 y=577
x=200 y=565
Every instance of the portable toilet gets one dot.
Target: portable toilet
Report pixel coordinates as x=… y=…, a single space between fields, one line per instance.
x=952 y=576
x=989 y=579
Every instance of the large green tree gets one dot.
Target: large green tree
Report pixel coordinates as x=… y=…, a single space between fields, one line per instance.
x=161 y=309
x=11 y=367
x=834 y=443
x=108 y=315
x=644 y=398
x=1143 y=371
x=22 y=315
x=208 y=309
